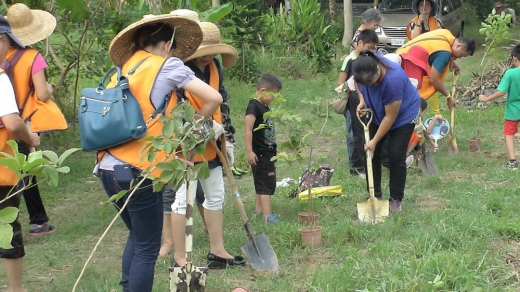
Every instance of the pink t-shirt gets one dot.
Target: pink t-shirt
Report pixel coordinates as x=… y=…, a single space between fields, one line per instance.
x=38 y=64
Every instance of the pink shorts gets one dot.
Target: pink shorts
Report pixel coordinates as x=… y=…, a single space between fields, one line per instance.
x=510 y=127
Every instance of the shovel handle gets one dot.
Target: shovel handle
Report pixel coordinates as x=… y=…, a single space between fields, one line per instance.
x=370 y=174
x=28 y=125
x=231 y=179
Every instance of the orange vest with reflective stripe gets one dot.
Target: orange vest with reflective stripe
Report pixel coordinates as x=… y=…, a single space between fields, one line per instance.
x=47 y=116
x=197 y=102
x=7 y=176
x=141 y=83
x=433 y=24
x=433 y=41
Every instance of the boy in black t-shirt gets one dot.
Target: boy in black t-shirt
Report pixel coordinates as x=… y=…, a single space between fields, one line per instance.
x=261 y=144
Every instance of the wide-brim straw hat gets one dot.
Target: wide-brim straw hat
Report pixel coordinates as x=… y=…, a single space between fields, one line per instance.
x=415 y=7
x=211 y=46
x=188 y=37
x=30 y=25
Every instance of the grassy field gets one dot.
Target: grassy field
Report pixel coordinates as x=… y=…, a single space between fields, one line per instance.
x=457 y=232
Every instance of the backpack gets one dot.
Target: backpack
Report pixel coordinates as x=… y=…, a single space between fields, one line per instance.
x=8 y=65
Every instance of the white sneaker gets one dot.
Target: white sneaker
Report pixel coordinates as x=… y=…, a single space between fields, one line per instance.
x=409 y=160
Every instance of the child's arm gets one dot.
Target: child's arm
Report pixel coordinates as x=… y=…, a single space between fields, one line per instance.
x=248 y=137
x=342 y=78
x=431 y=125
x=410 y=148
x=493 y=96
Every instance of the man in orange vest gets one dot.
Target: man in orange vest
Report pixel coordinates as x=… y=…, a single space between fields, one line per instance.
x=443 y=48
x=12 y=127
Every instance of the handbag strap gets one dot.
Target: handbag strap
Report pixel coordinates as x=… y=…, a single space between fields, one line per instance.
x=120 y=76
x=160 y=108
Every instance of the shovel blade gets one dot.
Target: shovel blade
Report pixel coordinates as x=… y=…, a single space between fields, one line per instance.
x=373 y=211
x=260 y=253
x=452 y=146
x=428 y=165
x=183 y=281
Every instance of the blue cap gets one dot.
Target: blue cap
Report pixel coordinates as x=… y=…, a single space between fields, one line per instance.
x=5 y=28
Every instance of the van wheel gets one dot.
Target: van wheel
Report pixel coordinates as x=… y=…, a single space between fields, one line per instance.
x=461 y=31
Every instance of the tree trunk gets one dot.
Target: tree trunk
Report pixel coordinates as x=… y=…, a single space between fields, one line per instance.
x=332 y=10
x=215 y=3
x=349 y=23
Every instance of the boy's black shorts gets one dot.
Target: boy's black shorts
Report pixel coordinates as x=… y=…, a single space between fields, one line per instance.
x=264 y=175
x=18 y=250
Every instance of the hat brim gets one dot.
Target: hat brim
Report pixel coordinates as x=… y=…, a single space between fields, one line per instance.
x=188 y=37
x=435 y=7
x=228 y=53
x=15 y=42
x=41 y=28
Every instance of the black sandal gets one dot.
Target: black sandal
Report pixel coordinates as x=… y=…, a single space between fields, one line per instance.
x=216 y=262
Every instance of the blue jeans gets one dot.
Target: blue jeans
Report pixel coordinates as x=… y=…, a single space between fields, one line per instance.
x=143 y=217
x=398 y=139
x=350 y=137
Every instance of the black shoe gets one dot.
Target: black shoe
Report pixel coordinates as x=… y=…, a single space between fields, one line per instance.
x=216 y=262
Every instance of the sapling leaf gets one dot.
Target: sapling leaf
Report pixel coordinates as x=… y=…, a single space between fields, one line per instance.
x=51 y=156
x=11 y=164
x=35 y=163
x=66 y=154
x=6 y=236
x=8 y=215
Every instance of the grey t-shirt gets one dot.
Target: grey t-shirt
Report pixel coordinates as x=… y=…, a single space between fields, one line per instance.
x=173 y=75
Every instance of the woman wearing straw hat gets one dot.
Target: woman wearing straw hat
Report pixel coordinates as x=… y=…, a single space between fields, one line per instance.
x=12 y=127
x=34 y=92
x=207 y=68
x=147 y=42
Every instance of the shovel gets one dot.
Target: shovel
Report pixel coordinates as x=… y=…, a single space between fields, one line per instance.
x=373 y=210
x=188 y=278
x=451 y=142
x=426 y=162
x=257 y=249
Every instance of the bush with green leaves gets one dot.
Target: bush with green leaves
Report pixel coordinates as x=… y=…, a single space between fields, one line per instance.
x=46 y=165
x=304 y=28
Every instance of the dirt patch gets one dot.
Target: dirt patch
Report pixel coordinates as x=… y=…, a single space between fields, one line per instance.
x=512 y=255
x=431 y=204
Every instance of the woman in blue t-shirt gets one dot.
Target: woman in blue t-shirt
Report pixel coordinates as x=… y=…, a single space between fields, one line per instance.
x=394 y=102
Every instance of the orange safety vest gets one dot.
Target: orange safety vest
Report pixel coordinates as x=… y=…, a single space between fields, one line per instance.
x=7 y=176
x=433 y=24
x=141 y=83
x=197 y=102
x=47 y=116
x=433 y=41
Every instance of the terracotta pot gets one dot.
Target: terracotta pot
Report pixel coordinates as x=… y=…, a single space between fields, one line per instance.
x=240 y=289
x=307 y=218
x=474 y=144
x=311 y=237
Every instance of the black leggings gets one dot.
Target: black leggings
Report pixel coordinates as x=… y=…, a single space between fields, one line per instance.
x=397 y=145
x=18 y=250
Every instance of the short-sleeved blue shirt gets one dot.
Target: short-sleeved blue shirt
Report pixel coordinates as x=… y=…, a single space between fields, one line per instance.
x=394 y=86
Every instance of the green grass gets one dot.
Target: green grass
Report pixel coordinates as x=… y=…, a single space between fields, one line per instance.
x=458 y=231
